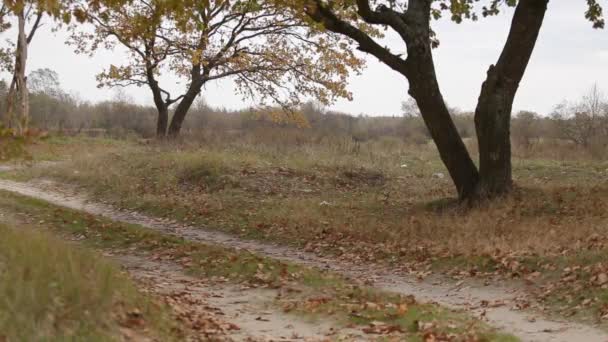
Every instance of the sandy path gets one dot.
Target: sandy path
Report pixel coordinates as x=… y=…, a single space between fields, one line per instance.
x=468 y=296
x=236 y=313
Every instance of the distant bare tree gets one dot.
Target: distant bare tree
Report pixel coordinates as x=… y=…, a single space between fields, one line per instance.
x=584 y=121
x=410 y=108
x=525 y=128
x=44 y=81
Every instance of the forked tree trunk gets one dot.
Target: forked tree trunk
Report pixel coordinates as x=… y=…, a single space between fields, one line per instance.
x=493 y=112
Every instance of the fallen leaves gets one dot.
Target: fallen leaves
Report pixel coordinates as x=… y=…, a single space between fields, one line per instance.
x=382 y=328
x=206 y=322
x=600 y=279
x=315 y=302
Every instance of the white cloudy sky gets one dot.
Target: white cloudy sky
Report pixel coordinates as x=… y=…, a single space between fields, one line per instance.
x=569 y=57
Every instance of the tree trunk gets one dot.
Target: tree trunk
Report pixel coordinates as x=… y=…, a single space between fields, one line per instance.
x=21 y=58
x=492 y=123
x=493 y=112
x=162 y=122
x=10 y=104
x=162 y=107
x=424 y=88
x=451 y=148
x=182 y=109
x=18 y=89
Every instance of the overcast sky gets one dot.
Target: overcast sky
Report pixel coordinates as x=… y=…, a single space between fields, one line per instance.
x=569 y=57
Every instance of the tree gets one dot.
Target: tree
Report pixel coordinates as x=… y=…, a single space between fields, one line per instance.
x=359 y=20
x=269 y=53
x=44 y=81
x=410 y=108
x=526 y=127
x=584 y=121
x=24 y=12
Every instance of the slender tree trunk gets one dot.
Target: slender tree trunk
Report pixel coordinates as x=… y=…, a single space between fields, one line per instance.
x=18 y=89
x=424 y=88
x=493 y=112
x=10 y=104
x=451 y=148
x=21 y=58
x=182 y=110
x=162 y=107
x=163 y=122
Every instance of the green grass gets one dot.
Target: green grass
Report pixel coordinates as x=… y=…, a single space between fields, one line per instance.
x=52 y=291
x=346 y=302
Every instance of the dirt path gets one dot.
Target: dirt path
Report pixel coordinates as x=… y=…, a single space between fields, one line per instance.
x=495 y=304
x=224 y=311
x=214 y=310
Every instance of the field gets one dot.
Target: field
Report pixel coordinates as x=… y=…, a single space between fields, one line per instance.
x=381 y=202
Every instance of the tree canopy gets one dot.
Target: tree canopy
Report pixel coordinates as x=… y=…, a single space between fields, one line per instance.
x=269 y=52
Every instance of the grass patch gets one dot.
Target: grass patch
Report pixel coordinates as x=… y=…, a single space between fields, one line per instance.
x=303 y=290
x=13 y=148
x=52 y=291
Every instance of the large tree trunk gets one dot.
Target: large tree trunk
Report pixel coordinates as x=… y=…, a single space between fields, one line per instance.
x=493 y=112
x=182 y=109
x=424 y=88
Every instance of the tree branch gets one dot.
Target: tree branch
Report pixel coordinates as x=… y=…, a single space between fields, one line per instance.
x=321 y=14
x=35 y=27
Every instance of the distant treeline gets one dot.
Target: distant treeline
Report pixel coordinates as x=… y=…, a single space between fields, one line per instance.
x=582 y=125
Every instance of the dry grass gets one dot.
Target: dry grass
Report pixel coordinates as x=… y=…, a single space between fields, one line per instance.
x=317 y=294
x=362 y=203
x=52 y=291
x=368 y=197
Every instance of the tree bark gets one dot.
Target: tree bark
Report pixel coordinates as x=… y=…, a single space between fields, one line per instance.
x=18 y=88
x=181 y=110
x=424 y=88
x=24 y=118
x=162 y=106
x=162 y=122
x=10 y=104
x=493 y=112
